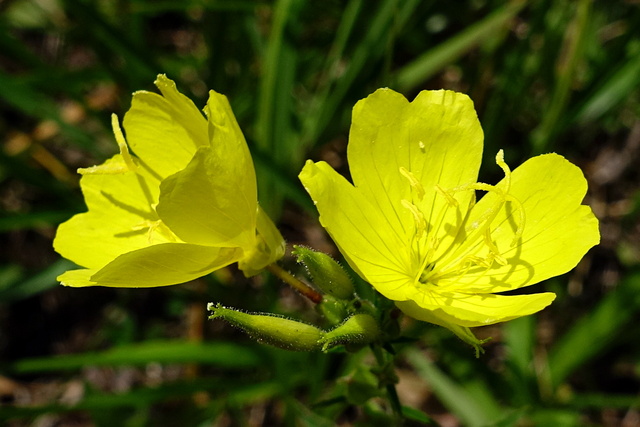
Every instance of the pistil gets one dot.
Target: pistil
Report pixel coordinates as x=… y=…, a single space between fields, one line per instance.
x=465 y=252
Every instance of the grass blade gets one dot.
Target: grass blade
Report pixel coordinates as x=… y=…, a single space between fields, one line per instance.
x=425 y=66
x=595 y=331
x=454 y=396
x=221 y=354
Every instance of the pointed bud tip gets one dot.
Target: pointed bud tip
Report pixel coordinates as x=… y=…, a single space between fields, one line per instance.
x=325 y=272
x=358 y=329
x=271 y=329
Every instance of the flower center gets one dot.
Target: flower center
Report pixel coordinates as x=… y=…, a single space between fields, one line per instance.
x=472 y=249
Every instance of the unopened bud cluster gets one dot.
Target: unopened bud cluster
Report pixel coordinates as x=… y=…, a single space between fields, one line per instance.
x=355 y=327
x=288 y=334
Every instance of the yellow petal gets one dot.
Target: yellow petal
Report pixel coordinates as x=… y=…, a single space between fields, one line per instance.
x=400 y=151
x=558 y=230
x=268 y=248
x=369 y=244
x=119 y=206
x=164 y=264
x=470 y=310
x=164 y=131
x=224 y=131
x=463 y=332
x=77 y=278
x=210 y=202
x=135 y=190
x=213 y=201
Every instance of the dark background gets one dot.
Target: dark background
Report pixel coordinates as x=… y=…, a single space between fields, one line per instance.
x=545 y=76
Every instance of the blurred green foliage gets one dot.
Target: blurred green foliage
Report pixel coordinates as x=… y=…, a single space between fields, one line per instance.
x=545 y=76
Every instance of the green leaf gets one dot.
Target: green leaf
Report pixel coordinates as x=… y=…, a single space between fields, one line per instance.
x=432 y=61
x=21 y=95
x=519 y=337
x=452 y=395
x=22 y=288
x=596 y=330
x=612 y=90
x=305 y=417
x=556 y=418
x=602 y=400
x=238 y=391
x=274 y=132
x=416 y=415
x=568 y=60
x=30 y=220
x=222 y=354
x=367 y=50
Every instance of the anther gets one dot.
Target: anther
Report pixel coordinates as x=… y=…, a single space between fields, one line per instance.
x=413 y=181
x=122 y=143
x=494 y=249
x=114 y=167
x=111 y=168
x=447 y=195
x=418 y=217
x=153 y=228
x=505 y=168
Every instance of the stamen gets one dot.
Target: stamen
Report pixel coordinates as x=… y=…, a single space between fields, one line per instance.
x=413 y=181
x=111 y=168
x=481 y=186
x=114 y=167
x=472 y=260
x=480 y=229
x=122 y=143
x=435 y=243
x=156 y=227
x=505 y=168
x=447 y=195
x=476 y=247
x=494 y=249
x=421 y=223
x=463 y=267
x=426 y=267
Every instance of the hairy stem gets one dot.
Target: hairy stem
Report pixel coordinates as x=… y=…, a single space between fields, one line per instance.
x=295 y=283
x=390 y=386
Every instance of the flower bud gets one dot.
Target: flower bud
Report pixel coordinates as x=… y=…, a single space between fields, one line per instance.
x=358 y=329
x=278 y=331
x=325 y=272
x=332 y=309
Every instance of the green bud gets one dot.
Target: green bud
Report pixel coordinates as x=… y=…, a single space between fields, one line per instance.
x=271 y=329
x=332 y=309
x=325 y=272
x=358 y=329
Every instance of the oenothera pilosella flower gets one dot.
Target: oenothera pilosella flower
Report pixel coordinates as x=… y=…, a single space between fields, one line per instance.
x=411 y=226
x=182 y=204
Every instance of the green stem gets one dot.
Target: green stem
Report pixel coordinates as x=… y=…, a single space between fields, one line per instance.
x=295 y=283
x=396 y=407
x=395 y=401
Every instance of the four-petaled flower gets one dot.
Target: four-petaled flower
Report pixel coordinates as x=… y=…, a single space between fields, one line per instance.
x=181 y=206
x=410 y=224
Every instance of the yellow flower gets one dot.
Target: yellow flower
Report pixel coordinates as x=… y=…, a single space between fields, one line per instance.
x=411 y=227
x=183 y=206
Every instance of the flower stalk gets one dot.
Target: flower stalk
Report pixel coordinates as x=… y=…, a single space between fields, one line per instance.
x=297 y=284
x=388 y=378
